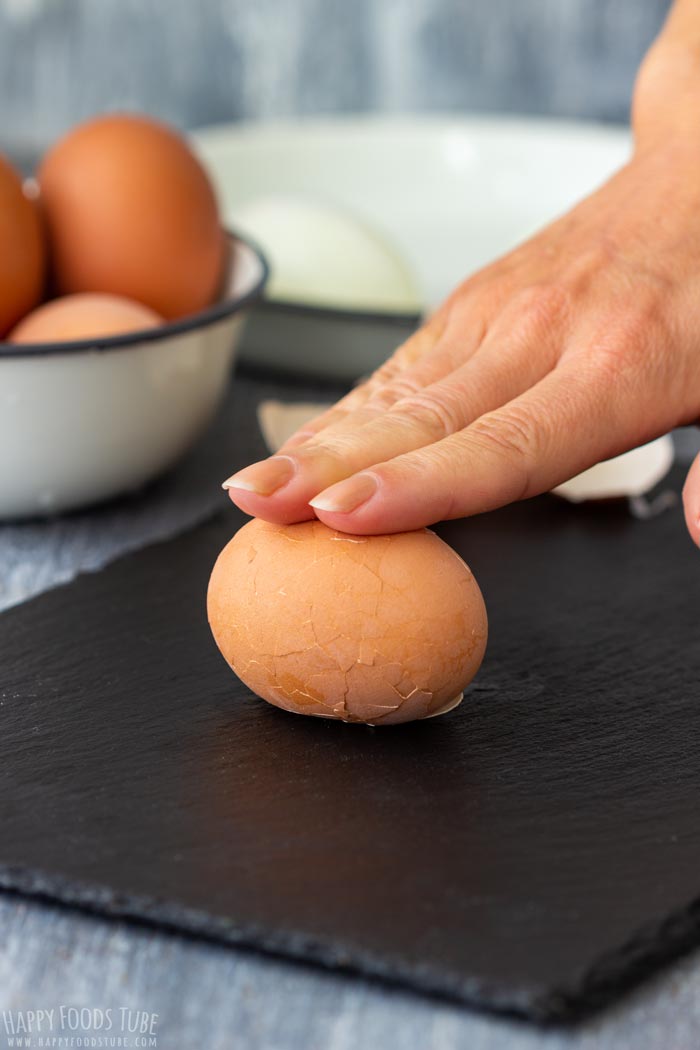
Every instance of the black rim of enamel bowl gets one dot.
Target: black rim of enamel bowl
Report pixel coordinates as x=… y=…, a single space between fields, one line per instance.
x=345 y=314
x=202 y=319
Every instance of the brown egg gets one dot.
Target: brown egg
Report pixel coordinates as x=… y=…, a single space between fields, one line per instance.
x=377 y=629
x=130 y=210
x=22 y=250
x=83 y=316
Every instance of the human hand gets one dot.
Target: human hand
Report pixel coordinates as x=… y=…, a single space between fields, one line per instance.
x=578 y=345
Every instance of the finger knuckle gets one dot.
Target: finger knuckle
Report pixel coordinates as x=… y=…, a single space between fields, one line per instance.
x=513 y=437
x=379 y=384
x=435 y=414
x=541 y=306
x=384 y=374
x=333 y=449
x=402 y=386
x=416 y=345
x=626 y=347
x=611 y=362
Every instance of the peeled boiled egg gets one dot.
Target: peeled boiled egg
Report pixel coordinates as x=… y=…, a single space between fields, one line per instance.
x=375 y=629
x=322 y=255
x=22 y=251
x=131 y=211
x=83 y=316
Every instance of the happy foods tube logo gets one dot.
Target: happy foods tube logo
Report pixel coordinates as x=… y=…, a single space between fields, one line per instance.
x=79 y=1027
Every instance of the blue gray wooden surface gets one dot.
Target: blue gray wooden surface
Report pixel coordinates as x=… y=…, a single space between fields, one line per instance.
x=203 y=61
x=213 y=60
x=211 y=998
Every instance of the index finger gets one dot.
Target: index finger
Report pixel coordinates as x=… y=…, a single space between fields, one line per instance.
x=559 y=427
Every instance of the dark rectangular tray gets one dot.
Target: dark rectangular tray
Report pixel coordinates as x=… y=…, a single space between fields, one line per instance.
x=534 y=851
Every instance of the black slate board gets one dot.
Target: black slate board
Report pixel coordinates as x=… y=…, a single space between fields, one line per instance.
x=535 y=851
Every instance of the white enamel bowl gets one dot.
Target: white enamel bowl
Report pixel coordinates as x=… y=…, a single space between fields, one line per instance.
x=451 y=193
x=84 y=421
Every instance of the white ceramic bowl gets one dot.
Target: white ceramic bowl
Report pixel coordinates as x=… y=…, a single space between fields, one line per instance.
x=451 y=193
x=84 y=421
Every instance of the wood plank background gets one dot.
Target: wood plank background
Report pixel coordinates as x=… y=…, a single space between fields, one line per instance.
x=201 y=61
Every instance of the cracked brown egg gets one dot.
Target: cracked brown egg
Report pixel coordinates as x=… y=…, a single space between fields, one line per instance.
x=375 y=629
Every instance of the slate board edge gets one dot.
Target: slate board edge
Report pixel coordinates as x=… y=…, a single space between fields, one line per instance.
x=638 y=958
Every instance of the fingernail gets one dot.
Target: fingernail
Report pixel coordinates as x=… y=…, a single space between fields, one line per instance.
x=263 y=478
x=346 y=495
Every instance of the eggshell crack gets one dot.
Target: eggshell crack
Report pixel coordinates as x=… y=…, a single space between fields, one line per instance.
x=377 y=629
